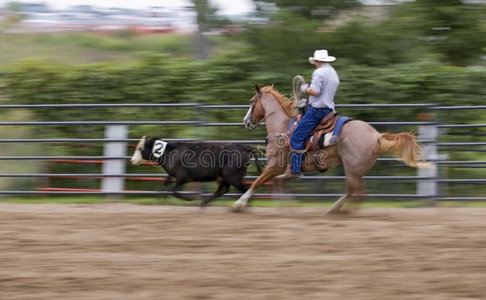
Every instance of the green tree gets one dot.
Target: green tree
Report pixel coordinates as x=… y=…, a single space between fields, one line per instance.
x=206 y=20
x=291 y=31
x=450 y=31
x=13 y=15
x=318 y=9
x=453 y=30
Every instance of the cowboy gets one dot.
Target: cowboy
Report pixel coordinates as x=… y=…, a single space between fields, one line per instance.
x=321 y=91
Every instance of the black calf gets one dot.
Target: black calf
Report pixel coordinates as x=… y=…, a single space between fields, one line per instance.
x=201 y=161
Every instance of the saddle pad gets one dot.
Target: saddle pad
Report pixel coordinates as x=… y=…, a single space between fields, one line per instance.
x=331 y=137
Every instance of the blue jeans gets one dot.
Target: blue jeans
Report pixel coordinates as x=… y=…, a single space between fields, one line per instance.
x=297 y=140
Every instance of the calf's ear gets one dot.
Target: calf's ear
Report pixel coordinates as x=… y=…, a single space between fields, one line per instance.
x=148 y=140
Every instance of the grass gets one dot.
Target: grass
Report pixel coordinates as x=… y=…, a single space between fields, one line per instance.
x=26 y=46
x=80 y=48
x=257 y=202
x=85 y=47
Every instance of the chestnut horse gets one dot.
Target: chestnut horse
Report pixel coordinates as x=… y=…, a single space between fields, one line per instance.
x=358 y=147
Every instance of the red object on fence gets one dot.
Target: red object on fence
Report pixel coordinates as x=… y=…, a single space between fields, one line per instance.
x=74 y=161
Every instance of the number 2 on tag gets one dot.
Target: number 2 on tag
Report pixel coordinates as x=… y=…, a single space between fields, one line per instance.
x=159 y=148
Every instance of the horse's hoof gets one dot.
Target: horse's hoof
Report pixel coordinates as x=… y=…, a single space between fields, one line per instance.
x=333 y=212
x=237 y=207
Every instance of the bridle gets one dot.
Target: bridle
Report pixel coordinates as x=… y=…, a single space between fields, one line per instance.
x=253 y=102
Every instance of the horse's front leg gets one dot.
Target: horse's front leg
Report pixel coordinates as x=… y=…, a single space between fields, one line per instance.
x=267 y=174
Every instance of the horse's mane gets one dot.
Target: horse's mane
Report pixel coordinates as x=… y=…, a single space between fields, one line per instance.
x=288 y=105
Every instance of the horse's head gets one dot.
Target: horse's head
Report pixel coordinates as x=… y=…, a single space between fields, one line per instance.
x=255 y=113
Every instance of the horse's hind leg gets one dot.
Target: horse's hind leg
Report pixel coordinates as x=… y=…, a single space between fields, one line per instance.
x=356 y=184
x=355 y=187
x=336 y=207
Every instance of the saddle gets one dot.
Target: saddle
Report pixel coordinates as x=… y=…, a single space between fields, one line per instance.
x=324 y=134
x=326 y=124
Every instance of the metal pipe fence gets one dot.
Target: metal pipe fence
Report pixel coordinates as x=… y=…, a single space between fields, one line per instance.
x=431 y=186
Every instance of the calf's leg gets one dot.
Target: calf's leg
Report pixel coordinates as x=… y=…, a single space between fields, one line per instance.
x=179 y=195
x=223 y=188
x=239 y=184
x=164 y=187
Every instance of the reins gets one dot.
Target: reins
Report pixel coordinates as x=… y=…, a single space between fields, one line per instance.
x=297 y=81
x=264 y=117
x=268 y=115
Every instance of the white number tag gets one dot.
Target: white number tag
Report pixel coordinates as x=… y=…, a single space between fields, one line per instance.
x=159 y=148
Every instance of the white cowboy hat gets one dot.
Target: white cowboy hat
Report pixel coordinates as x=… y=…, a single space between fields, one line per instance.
x=321 y=55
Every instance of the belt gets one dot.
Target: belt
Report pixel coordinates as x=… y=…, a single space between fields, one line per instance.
x=325 y=107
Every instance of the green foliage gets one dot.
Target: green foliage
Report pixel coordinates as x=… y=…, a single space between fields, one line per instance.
x=454 y=32
x=451 y=28
x=175 y=44
x=76 y=48
x=282 y=45
x=227 y=78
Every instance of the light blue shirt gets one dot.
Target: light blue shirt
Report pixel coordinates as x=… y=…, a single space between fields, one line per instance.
x=325 y=82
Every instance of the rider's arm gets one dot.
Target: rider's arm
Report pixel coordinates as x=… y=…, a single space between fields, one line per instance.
x=315 y=87
x=307 y=90
x=311 y=92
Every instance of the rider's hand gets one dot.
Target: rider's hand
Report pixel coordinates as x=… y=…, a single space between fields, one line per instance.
x=303 y=88
x=301 y=103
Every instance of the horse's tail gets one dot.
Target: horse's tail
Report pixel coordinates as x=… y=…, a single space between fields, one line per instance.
x=405 y=147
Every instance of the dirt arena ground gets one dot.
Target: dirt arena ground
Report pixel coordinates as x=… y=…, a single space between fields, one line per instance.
x=127 y=251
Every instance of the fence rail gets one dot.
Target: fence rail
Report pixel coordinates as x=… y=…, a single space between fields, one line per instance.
x=430 y=184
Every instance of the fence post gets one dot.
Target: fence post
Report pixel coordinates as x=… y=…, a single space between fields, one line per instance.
x=114 y=166
x=429 y=133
